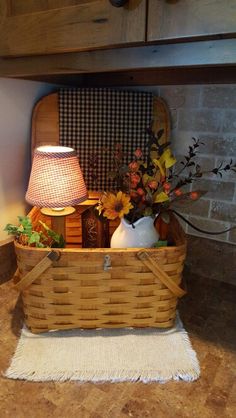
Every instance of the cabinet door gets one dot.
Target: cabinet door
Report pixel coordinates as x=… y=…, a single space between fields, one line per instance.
x=32 y=27
x=176 y=19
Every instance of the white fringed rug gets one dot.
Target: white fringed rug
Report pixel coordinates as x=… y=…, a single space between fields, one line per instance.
x=145 y=355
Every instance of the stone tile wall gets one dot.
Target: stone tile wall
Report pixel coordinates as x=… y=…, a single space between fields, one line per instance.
x=209 y=113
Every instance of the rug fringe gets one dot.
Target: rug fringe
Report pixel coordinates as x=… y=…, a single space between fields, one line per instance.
x=105 y=376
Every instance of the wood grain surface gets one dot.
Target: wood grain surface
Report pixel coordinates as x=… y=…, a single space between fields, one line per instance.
x=48 y=27
x=174 y=19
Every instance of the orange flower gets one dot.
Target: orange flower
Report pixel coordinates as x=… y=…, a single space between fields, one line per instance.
x=166 y=187
x=133 y=166
x=135 y=179
x=178 y=192
x=140 y=191
x=153 y=184
x=194 y=195
x=116 y=205
x=138 y=153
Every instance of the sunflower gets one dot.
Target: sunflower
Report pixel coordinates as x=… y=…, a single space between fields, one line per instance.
x=116 y=205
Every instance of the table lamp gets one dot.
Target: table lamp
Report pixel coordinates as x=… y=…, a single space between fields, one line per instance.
x=56 y=183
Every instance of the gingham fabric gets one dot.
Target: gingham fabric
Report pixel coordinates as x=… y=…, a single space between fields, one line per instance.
x=56 y=179
x=93 y=121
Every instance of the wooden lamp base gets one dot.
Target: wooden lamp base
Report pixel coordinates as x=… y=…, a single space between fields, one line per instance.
x=58 y=218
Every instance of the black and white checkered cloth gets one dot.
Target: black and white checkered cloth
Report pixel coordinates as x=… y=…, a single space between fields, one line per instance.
x=93 y=121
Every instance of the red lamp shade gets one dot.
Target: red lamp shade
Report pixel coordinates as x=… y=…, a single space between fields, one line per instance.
x=56 y=179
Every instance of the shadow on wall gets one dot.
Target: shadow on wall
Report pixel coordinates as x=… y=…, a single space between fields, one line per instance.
x=17 y=99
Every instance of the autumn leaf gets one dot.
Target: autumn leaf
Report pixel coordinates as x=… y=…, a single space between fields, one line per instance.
x=158 y=164
x=167 y=159
x=161 y=197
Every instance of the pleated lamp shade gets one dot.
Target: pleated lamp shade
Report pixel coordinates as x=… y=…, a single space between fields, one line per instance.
x=56 y=179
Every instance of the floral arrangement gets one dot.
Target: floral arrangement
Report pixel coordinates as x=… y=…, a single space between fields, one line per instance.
x=151 y=184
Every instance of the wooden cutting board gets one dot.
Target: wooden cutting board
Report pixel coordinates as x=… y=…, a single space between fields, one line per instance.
x=45 y=131
x=45 y=120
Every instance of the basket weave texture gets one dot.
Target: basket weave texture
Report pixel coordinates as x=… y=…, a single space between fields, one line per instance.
x=102 y=288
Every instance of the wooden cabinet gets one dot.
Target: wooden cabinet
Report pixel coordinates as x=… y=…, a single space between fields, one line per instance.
x=34 y=27
x=41 y=27
x=84 y=42
x=177 y=19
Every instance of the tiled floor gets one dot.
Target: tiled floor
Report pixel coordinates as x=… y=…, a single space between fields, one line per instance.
x=209 y=314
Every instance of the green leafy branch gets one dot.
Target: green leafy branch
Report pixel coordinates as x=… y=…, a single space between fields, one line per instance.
x=26 y=235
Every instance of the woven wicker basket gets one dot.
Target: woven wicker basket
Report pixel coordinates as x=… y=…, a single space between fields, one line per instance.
x=101 y=288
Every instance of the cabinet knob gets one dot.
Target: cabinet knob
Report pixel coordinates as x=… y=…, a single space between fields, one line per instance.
x=118 y=3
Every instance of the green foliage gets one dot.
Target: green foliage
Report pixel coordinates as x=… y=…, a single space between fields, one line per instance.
x=26 y=235
x=24 y=228
x=159 y=244
x=58 y=240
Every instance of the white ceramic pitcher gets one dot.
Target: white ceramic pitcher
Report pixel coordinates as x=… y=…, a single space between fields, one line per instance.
x=141 y=234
